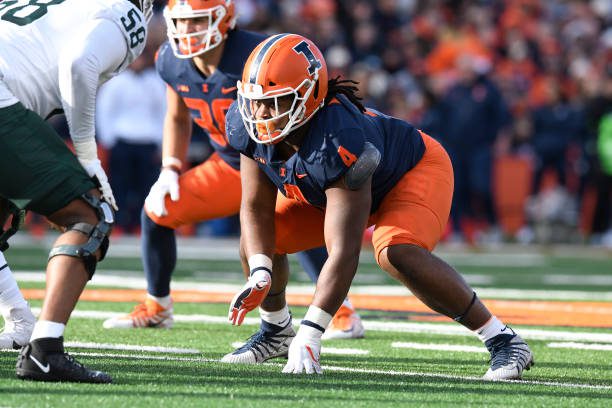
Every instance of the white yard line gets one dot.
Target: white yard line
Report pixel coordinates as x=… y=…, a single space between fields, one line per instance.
x=474 y=349
x=581 y=346
x=438 y=347
x=118 y=278
x=449 y=329
x=130 y=347
x=327 y=350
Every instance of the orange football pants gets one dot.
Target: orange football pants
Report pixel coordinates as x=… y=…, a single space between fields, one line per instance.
x=415 y=211
x=207 y=191
x=210 y=190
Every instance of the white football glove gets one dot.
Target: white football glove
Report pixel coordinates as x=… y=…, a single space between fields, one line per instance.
x=87 y=152
x=304 y=352
x=94 y=170
x=167 y=183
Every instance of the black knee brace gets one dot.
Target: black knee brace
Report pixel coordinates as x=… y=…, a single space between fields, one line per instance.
x=97 y=234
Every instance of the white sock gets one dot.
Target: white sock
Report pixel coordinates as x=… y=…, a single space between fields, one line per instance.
x=279 y=317
x=164 y=301
x=46 y=328
x=491 y=329
x=10 y=296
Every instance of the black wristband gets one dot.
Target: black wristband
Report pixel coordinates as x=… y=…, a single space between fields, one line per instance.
x=313 y=325
x=260 y=268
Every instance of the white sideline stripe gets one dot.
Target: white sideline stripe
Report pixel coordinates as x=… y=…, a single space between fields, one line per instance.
x=114 y=278
x=327 y=350
x=130 y=347
x=450 y=329
x=439 y=347
x=594 y=280
x=358 y=370
x=581 y=346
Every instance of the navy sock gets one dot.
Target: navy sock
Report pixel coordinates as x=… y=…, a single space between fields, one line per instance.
x=158 y=255
x=312 y=261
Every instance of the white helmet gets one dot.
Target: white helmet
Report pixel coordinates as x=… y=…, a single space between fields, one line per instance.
x=221 y=19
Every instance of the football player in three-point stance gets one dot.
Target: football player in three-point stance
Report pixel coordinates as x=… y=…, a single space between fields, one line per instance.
x=201 y=63
x=350 y=167
x=54 y=55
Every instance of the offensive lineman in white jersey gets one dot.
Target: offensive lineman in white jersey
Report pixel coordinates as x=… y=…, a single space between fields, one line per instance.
x=54 y=54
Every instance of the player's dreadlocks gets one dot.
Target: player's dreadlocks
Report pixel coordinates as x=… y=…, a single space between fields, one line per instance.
x=345 y=87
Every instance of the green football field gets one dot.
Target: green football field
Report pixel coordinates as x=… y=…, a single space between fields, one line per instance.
x=402 y=361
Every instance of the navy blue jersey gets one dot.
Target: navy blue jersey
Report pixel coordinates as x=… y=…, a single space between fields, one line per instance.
x=335 y=140
x=208 y=98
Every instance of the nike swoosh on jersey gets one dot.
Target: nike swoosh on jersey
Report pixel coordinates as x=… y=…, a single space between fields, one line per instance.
x=225 y=91
x=301 y=176
x=44 y=368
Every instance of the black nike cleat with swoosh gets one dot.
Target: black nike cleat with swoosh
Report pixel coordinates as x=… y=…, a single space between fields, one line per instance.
x=45 y=360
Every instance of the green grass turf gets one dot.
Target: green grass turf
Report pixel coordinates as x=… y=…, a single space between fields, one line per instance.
x=202 y=382
x=140 y=382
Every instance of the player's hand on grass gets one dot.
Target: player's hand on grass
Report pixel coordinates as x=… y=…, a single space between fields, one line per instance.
x=166 y=184
x=304 y=352
x=250 y=296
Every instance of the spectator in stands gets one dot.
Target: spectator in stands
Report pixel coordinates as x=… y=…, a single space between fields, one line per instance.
x=555 y=125
x=472 y=116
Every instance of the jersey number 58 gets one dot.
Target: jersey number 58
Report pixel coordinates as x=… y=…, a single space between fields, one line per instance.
x=129 y=23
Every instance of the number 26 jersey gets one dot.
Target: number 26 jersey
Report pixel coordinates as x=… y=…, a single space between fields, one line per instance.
x=209 y=98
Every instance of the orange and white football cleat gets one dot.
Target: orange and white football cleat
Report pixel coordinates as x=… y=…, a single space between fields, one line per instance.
x=146 y=314
x=346 y=324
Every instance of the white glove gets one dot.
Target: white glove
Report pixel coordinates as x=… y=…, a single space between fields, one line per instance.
x=87 y=153
x=94 y=169
x=167 y=183
x=304 y=352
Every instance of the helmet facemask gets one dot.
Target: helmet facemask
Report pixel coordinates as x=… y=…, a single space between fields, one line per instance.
x=189 y=45
x=266 y=130
x=286 y=103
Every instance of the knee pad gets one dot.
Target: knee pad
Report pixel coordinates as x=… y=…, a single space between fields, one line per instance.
x=97 y=236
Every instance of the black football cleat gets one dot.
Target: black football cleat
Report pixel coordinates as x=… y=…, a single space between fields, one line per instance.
x=45 y=360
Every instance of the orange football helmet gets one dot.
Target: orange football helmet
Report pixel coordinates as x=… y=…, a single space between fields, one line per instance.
x=287 y=73
x=221 y=18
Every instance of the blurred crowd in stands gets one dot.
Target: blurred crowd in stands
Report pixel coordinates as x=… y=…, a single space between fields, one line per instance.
x=518 y=91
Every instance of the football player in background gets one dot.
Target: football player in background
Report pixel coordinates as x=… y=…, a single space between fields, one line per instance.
x=53 y=56
x=201 y=63
x=315 y=142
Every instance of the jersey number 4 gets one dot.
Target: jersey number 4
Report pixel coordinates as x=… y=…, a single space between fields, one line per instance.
x=23 y=12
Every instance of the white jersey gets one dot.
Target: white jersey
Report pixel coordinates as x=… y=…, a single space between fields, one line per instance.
x=35 y=35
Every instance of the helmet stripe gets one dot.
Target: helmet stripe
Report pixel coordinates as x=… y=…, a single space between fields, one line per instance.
x=256 y=64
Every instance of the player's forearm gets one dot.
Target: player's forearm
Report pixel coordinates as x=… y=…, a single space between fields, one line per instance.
x=335 y=280
x=257 y=209
x=79 y=72
x=257 y=230
x=177 y=135
x=346 y=216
